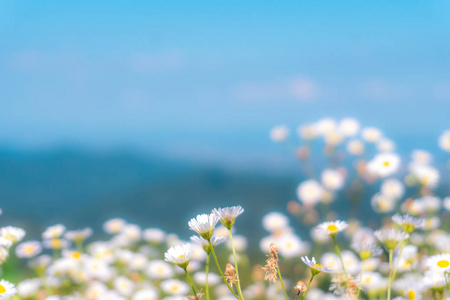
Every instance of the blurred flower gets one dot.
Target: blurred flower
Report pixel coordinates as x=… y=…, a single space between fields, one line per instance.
x=279 y=133
x=309 y=192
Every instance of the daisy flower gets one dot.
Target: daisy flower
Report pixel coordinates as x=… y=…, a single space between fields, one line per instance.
x=332 y=179
x=54 y=232
x=7 y=289
x=444 y=141
x=310 y=192
x=228 y=215
x=332 y=228
x=439 y=262
x=384 y=164
x=355 y=147
x=391 y=237
x=348 y=127
x=371 y=134
x=315 y=268
x=175 y=287
x=14 y=234
x=366 y=250
x=28 y=249
x=279 y=133
x=179 y=255
x=78 y=235
x=215 y=240
x=204 y=225
x=408 y=223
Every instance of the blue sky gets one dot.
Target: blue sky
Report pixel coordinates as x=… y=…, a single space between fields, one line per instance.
x=189 y=75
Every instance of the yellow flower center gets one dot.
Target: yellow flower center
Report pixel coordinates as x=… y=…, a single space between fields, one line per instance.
x=318 y=266
x=386 y=163
x=76 y=254
x=56 y=243
x=411 y=295
x=2 y=289
x=182 y=256
x=365 y=254
x=28 y=250
x=10 y=237
x=332 y=227
x=443 y=263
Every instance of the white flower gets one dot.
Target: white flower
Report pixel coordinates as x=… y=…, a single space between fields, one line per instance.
x=366 y=250
x=372 y=281
x=392 y=188
x=200 y=278
x=240 y=243
x=179 y=255
x=114 y=226
x=28 y=288
x=28 y=249
x=315 y=268
x=426 y=175
x=145 y=294
x=348 y=127
x=124 y=286
x=408 y=223
x=439 y=262
x=332 y=179
x=279 y=133
x=14 y=234
x=215 y=240
x=390 y=237
x=446 y=203
x=159 y=269
x=434 y=279
x=78 y=235
x=386 y=146
x=291 y=246
x=384 y=164
x=444 y=141
x=204 y=225
x=153 y=235
x=228 y=215
x=307 y=132
x=332 y=228
x=382 y=203
x=371 y=134
x=421 y=157
x=7 y=289
x=174 y=287
x=326 y=126
x=355 y=147
x=56 y=244
x=54 y=232
x=310 y=192
x=275 y=221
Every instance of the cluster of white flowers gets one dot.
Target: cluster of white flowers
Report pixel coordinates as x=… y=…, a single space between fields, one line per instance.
x=393 y=244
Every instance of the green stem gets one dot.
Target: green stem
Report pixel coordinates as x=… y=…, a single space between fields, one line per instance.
x=191 y=283
x=220 y=269
x=207 y=272
x=360 y=277
x=398 y=261
x=236 y=266
x=390 y=268
x=338 y=251
x=307 y=288
x=282 y=284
